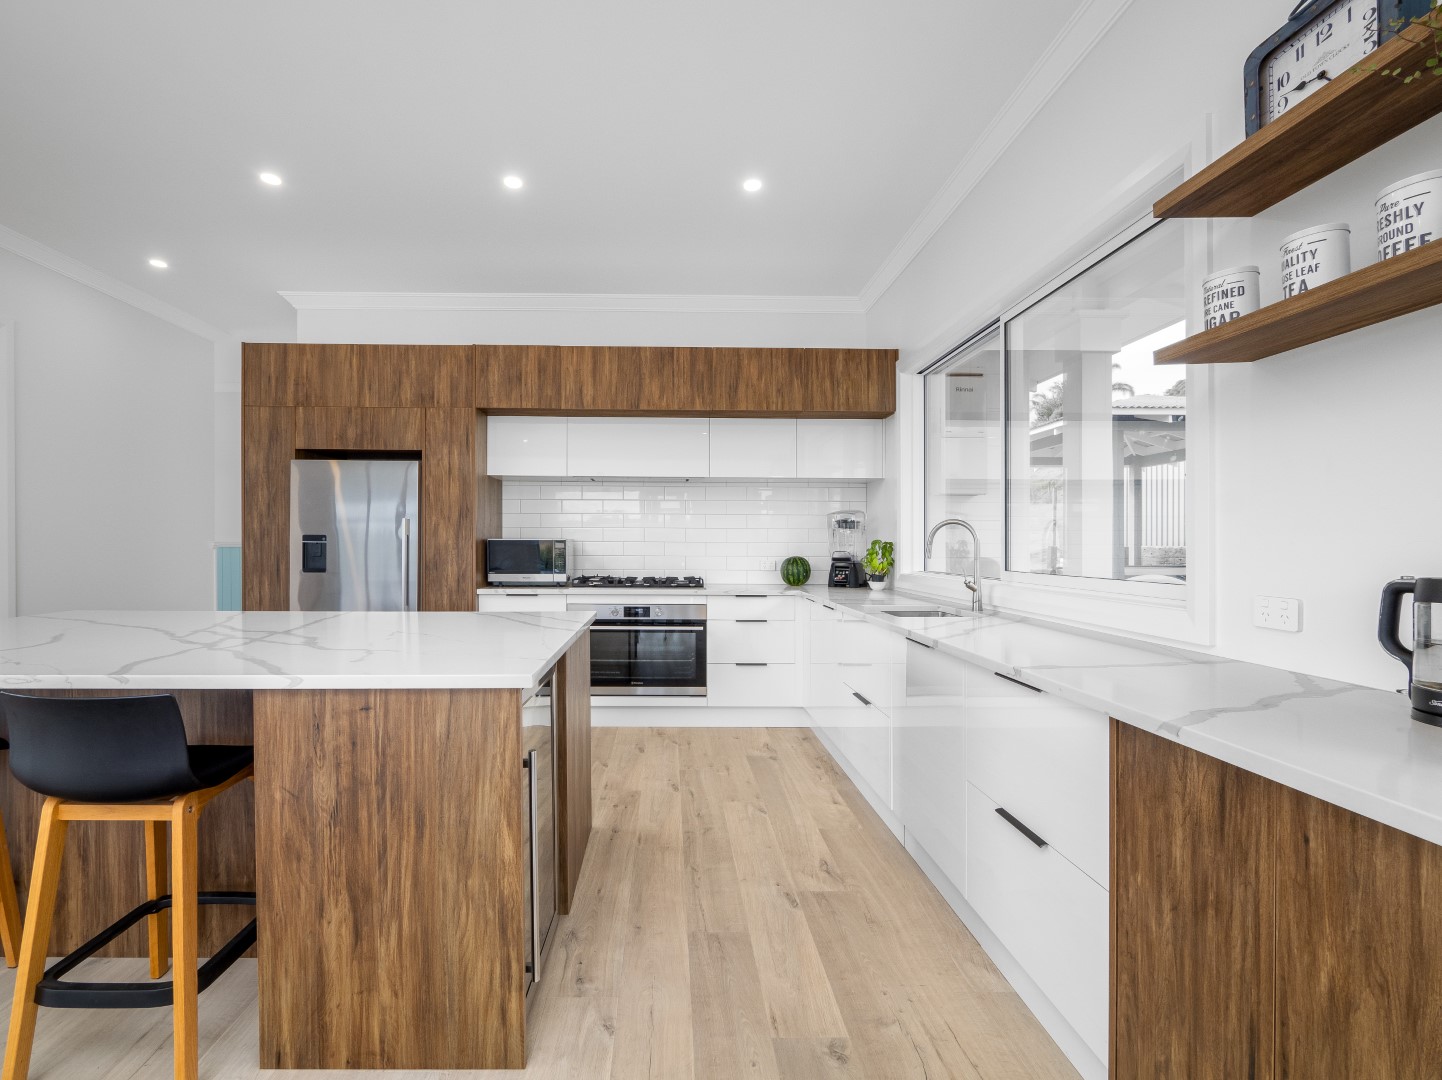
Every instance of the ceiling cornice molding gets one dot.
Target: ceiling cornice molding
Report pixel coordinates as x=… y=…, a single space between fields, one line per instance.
x=583 y=302
x=87 y=275
x=1087 y=26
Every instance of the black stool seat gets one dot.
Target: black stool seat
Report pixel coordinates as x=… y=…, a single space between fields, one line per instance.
x=110 y=750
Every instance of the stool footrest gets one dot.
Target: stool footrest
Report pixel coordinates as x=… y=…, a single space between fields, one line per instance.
x=55 y=994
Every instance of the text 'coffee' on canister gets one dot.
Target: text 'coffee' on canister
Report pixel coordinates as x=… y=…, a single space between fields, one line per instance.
x=1314 y=257
x=1230 y=294
x=1409 y=214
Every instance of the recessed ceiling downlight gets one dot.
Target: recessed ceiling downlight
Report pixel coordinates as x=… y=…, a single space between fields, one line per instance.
x=514 y=182
x=273 y=179
x=751 y=184
x=159 y=264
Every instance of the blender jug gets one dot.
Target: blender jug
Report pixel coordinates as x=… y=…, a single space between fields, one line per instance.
x=1424 y=659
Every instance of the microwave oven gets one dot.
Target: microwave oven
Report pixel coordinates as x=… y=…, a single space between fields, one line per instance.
x=526 y=562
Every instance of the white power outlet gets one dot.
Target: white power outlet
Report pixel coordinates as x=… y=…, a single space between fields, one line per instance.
x=1278 y=613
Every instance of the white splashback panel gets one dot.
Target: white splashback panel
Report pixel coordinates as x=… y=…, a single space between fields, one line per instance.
x=732 y=533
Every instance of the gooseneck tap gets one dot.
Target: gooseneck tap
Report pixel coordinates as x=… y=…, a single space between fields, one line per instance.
x=974 y=582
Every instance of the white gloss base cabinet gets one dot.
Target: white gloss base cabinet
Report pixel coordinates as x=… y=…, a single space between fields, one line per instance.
x=1048 y=914
x=752 y=685
x=928 y=755
x=1046 y=761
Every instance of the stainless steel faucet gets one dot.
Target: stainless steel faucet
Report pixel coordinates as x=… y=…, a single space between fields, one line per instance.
x=974 y=582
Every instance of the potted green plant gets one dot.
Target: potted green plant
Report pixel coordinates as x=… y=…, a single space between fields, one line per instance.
x=877 y=562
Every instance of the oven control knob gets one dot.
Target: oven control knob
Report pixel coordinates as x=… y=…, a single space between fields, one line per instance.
x=615 y=613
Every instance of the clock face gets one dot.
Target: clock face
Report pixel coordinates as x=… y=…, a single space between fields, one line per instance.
x=1330 y=44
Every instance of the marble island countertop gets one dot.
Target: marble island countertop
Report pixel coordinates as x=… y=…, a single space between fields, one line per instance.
x=280 y=650
x=1350 y=745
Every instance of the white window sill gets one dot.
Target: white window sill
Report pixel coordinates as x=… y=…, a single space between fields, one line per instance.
x=1178 y=619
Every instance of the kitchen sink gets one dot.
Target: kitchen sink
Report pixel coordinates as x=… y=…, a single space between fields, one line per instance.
x=920 y=613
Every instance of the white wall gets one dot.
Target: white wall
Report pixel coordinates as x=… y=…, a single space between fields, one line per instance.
x=114 y=449
x=578 y=327
x=1322 y=473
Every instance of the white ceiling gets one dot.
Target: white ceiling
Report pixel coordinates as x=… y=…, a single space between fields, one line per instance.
x=136 y=129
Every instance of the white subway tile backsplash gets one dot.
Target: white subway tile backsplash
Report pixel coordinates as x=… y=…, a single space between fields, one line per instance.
x=731 y=533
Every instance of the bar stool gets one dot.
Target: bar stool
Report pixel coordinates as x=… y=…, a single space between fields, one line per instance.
x=119 y=759
x=9 y=905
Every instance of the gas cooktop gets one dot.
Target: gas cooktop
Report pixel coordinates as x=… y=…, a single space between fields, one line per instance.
x=606 y=581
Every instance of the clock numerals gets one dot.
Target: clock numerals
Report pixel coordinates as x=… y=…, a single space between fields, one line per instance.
x=1323 y=33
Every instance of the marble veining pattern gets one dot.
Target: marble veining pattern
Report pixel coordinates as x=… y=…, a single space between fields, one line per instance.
x=175 y=650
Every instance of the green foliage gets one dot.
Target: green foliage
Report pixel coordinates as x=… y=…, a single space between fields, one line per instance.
x=1433 y=21
x=795 y=571
x=878 y=559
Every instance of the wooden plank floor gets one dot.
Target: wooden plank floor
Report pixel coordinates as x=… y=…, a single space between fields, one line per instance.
x=742 y=914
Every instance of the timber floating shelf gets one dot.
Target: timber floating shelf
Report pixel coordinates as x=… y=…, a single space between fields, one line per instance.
x=1353 y=114
x=1374 y=294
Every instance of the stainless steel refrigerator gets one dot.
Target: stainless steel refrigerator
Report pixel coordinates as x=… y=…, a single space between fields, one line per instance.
x=354 y=537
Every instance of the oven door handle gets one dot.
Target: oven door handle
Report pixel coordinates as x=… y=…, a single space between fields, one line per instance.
x=634 y=627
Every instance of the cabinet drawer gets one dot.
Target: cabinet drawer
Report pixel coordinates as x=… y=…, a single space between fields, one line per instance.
x=776 y=608
x=822 y=610
x=520 y=602
x=1046 y=761
x=1048 y=914
x=775 y=685
x=852 y=641
x=871 y=681
x=751 y=642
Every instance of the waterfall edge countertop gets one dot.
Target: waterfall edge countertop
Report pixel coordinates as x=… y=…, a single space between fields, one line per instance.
x=282 y=650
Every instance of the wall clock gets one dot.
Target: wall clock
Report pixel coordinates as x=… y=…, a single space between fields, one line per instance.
x=1322 y=39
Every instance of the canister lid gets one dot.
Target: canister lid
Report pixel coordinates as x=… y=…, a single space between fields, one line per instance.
x=1420 y=178
x=1233 y=270
x=1340 y=226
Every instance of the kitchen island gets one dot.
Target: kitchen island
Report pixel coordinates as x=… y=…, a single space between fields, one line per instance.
x=388 y=841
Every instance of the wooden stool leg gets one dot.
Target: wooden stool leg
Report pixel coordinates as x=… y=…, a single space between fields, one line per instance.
x=185 y=909
x=9 y=905
x=39 y=912
x=157 y=878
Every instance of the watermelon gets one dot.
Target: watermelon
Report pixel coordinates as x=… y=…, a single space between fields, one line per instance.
x=796 y=571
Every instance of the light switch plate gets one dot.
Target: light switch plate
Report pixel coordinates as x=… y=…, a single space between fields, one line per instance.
x=1278 y=613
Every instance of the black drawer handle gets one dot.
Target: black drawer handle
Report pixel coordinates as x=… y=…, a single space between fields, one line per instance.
x=1029 y=686
x=750 y=663
x=751 y=596
x=859 y=698
x=1011 y=820
x=752 y=620
x=923 y=644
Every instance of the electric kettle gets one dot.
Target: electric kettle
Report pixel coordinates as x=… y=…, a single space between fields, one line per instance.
x=1424 y=659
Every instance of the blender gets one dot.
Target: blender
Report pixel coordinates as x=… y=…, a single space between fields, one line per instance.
x=848 y=540
x=1424 y=659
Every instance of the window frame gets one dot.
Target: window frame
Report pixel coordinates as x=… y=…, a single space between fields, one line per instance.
x=1166 y=611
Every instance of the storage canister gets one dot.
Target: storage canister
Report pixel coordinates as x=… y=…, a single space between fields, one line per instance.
x=1230 y=294
x=1315 y=256
x=1409 y=214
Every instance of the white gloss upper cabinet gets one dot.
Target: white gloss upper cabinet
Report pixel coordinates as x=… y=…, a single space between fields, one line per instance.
x=526 y=445
x=637 y=446
x=840 y=449
x=753 y=448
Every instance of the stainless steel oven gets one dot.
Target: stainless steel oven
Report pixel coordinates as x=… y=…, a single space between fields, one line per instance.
x=648 y=649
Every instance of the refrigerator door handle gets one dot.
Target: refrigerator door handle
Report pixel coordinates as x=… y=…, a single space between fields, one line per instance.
x=405 y=564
